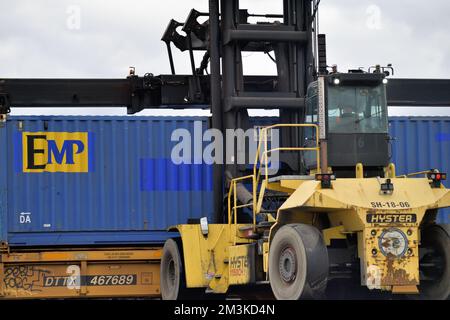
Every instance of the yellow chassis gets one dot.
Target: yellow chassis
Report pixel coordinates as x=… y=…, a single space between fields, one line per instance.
x=226 y=257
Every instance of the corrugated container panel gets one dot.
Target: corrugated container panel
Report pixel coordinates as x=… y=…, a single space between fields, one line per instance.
x=421 y=143
x=130 y=191
x=125 y=189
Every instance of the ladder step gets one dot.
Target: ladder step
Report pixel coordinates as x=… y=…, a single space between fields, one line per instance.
x=248 y=233
x=245 y=228
x=265 y=224
x=268 y=211
x=253 y=236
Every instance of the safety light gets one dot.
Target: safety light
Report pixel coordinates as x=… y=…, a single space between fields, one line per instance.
x=325 y=179
x=385 y=81
x=387 y=187
x=436 y=178
x=336 y=81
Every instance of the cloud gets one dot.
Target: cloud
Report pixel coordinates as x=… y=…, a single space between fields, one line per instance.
x=36 y=40
x=410 y=35
x=114 y=35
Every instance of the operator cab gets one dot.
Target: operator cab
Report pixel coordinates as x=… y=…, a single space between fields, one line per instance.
x=353 y=121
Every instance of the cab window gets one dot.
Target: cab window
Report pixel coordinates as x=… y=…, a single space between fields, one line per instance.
x=357 y=109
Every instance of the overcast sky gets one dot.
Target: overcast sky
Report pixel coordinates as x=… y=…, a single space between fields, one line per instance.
x=102 y=38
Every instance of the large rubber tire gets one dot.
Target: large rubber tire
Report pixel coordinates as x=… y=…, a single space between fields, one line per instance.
x=173 y=281
x=437 y=237
x=298 y=263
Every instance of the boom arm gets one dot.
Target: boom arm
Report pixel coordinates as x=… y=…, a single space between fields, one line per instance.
x=178 y=91
x=418 y=92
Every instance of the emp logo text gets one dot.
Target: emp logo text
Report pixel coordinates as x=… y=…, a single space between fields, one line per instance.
x=54 y=152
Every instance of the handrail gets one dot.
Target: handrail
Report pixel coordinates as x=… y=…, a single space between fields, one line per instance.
x=417 y=173
x=232 y=192
x=413 y=174
x=262 y=155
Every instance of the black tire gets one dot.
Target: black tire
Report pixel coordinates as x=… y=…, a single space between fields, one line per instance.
x=172 y=276
x=298 y=263
x=436 y=239
x=173 y=281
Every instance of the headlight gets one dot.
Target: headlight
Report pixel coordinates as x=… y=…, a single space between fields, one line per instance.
x=393 y=243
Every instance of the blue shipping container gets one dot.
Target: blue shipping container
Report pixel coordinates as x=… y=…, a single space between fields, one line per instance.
x=421 y=143
x=97 y=180
x=110 y=180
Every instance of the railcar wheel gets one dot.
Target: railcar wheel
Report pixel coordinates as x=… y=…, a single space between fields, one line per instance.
x=435 y=263
x=298 y=263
